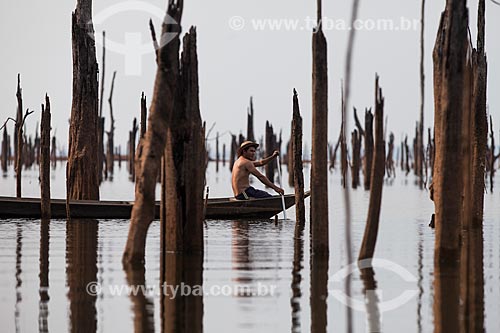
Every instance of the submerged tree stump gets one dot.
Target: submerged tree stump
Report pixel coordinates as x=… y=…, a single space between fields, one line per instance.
x=377 y=180
x=450 y=79
x=45 y=160
x=185 y=149
x=82 y=179
x=5 y=149
x=167 y=83
x=296 y=157
x=356 y=158
x=110 y=157
x=368 y=157
x=319 y=163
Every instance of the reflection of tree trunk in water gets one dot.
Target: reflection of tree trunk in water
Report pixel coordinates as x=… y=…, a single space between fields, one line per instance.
x=19 y=282
x=420 y=265
x=81 y=269
x=371 y=299
x=472 y=281
x=142 y=306
x=43 y=304
x=240 y=250
x=182 y=313
x=298 y=256
x=319 y=292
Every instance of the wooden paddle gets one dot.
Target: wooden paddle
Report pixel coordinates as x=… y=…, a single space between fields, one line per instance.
x=281 y=184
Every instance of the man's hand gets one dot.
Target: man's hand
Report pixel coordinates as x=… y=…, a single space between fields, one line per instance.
x=279 y=190
x=276 y=153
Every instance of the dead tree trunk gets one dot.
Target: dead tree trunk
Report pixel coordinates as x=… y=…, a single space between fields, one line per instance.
x=296 y=156
x=101 y=158
x=185 y=148
x=144 y=111
x=45 y=160
x=101 y=155
x=389 y=162
x=82 y=180
x=419 y=154
x=356 y=157
x=368 y=158
x=480 y=129
x=217 y=156
x=162 y=107
x=450 y=53
x=232 y=154
x=53 y=152
x=250 y=134
x=319 y=163
x=270 y=147
x=5 y=149
x=19 y=117
x=223 y=154
x=110 y=157
x=377 y=177
x=131 y=153
x=333 y=157
x=19 y=153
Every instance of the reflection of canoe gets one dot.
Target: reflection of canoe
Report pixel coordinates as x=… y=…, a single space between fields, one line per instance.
x=222 y=208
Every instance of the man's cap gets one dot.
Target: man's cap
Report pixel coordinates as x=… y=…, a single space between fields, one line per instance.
x=245 y=145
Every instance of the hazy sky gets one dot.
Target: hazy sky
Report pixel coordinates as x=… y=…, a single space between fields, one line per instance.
x=233 y=64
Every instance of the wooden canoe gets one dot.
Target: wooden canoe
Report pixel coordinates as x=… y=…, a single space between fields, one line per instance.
x=217 y=208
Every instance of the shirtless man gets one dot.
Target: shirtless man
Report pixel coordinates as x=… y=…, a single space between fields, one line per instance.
x=246 y=165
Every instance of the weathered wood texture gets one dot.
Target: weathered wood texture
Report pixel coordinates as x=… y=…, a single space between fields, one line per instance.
x=82 y=180
x=450 y=79
x=185 y=148
x=161 y=111
x=480 y=122
x=296 y=156
x=368 y=156
x=377 y=180
x=45 y=160
x=100 y=138
x=319 y=166
x=356 y=158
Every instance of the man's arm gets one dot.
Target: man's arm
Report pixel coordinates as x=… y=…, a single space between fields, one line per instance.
x=265 y=160
x=251 y=168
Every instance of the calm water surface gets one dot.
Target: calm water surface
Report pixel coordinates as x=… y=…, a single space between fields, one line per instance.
x=45 y=268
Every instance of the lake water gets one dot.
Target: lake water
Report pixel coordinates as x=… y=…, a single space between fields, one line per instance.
x=45 y=268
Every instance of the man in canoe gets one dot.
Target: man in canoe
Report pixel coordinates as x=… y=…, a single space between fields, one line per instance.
x=246 y=165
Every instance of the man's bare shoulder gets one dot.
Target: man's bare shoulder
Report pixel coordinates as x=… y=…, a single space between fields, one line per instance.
x=243 y=163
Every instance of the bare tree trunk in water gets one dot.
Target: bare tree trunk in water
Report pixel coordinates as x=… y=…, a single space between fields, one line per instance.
x=450 y=53
x=185 y=148
x=319 y=163
x=480 y=131
x=296 y=156
x=45 y=160
x=377 y=180
x=82 y=180
x=110 y=157
x=162 y=106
